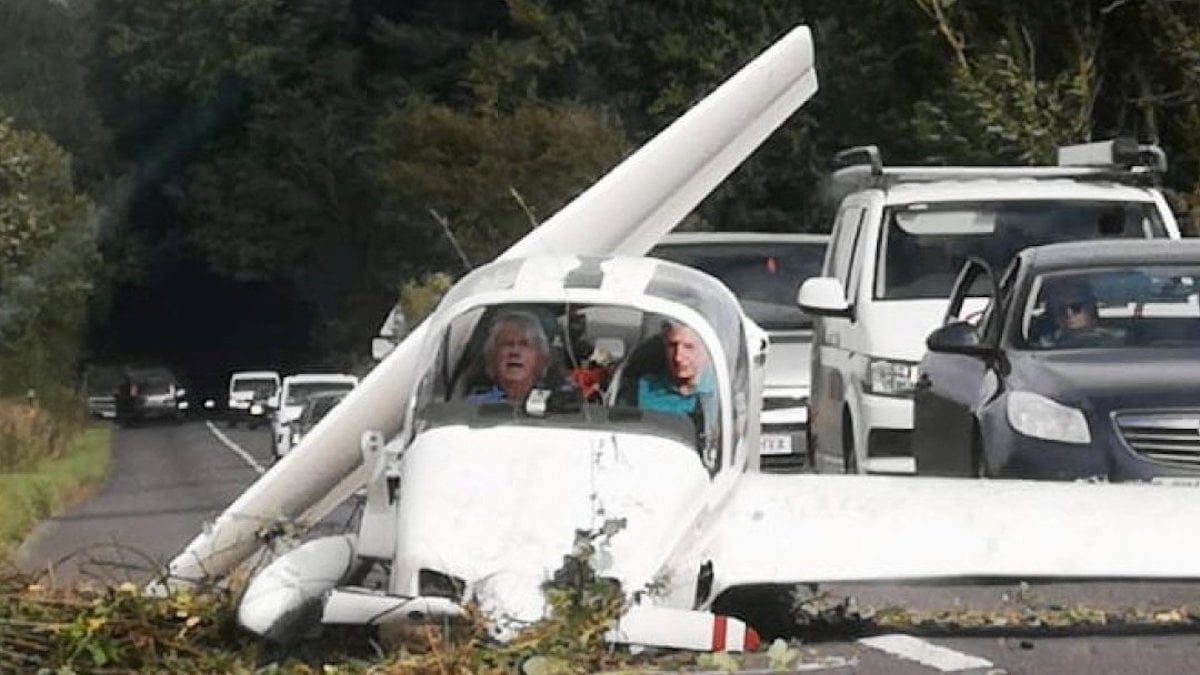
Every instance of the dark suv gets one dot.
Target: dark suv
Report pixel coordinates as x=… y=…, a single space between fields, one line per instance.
x=149 y=393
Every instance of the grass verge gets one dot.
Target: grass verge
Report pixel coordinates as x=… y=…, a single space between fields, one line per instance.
x=29 y=496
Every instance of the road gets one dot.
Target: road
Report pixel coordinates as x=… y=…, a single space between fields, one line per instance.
x=168 y=480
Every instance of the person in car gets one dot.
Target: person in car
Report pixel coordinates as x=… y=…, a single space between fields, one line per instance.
x=688 y=385
x=1072 y=306
x=516 y=354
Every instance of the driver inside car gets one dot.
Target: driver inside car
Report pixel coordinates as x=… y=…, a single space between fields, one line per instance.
x=1072 y=306
x=516 y=355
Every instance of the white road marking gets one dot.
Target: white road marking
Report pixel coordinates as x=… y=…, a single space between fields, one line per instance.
x=926 y=653
x=235 y=447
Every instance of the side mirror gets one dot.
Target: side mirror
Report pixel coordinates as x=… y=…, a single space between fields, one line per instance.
x=824 y=296
x=381 y=346
x=959 y=337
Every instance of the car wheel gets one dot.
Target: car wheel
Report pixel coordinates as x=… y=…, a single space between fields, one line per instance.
x=810 y=451
x=978 y=463
x=849 y=456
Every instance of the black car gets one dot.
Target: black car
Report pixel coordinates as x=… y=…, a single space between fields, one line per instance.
x=149 y=393
x=1084 y=363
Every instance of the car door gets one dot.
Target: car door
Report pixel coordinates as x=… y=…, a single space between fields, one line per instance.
x=950 y=385
x=831 y=367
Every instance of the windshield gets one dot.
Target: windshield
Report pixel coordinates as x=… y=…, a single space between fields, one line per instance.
x=318 y=407
x=925 y=245
x=261 y=388
x=299 y=391
x=764 y=276
x=1150 y=306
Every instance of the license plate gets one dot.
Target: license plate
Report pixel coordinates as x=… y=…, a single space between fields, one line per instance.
x=774 y=444
x=1177 y=481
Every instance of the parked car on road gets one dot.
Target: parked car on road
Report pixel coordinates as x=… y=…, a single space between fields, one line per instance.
x=1084 y=364
x=899 y=239
x=252 y=395
x=149 y=393
x=293 y=392
x=765 y=270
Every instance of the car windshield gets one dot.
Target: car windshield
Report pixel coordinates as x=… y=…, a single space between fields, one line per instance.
x=764 y=276
x=261 y=388
x=926 y=244
x=299 y=391
x=1146 y=306
x=318 y=406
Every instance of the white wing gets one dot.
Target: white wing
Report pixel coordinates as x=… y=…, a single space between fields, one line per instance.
x=805 y=528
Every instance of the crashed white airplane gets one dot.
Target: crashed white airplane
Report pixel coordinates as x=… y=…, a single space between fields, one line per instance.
x=473 y=501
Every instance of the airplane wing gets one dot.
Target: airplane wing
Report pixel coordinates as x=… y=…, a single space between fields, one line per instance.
x=783 y=529
x=625 y=212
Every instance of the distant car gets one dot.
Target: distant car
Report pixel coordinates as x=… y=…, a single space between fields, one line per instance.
x=1038 y=385
x=765 y=271
x=99 y=385
x=314 y=410
x=252 y=395
x=292 y=394
x=149 y=393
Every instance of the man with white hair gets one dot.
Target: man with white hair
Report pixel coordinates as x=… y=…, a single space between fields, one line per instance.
x=516 y=354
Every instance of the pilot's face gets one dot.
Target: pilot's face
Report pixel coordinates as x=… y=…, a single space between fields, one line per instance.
x=686 y=357
x=516 y=360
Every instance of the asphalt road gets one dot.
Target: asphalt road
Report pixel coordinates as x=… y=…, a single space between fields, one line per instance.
x=168 y=480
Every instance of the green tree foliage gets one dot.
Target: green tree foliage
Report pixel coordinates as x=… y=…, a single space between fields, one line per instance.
x=47 y=254
x=488 y=175
x=42 y=80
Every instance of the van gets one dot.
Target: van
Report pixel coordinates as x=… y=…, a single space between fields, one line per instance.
x=900 y=237
x=252 y=394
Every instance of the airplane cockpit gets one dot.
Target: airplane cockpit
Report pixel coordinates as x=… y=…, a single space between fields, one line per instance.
x=636 y=345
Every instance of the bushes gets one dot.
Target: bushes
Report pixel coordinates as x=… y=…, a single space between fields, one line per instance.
x=38 y=430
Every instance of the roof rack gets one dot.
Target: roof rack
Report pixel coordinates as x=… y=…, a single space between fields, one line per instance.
x=1120 y=160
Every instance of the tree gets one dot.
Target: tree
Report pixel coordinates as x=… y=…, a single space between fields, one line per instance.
x=47 y=255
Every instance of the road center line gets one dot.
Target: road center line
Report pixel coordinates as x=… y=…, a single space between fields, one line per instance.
x=926 y=653
x=228 y=442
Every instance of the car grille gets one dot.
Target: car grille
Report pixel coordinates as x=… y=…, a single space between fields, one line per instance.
x=1172 y=437
x=784 y=402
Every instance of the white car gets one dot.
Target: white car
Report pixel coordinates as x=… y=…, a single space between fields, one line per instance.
x=252 y=393
x=764 y=270
x=292 y=395
x=899 y=240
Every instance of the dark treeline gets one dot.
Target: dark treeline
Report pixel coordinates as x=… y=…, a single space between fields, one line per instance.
x=234 y=183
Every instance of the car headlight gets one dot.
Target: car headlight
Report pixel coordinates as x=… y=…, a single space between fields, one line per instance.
x=256 y=409
x=1037 y=416
x=886 y=377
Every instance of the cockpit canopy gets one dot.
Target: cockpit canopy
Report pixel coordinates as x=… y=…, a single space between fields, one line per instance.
x=637 y=344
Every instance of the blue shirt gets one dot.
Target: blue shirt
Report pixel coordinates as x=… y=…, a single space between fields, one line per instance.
x=493 y=395
x=658 y=392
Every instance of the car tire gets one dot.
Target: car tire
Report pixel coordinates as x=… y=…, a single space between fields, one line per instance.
x=978 y=462
x=849 y=456
x=810 y=451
